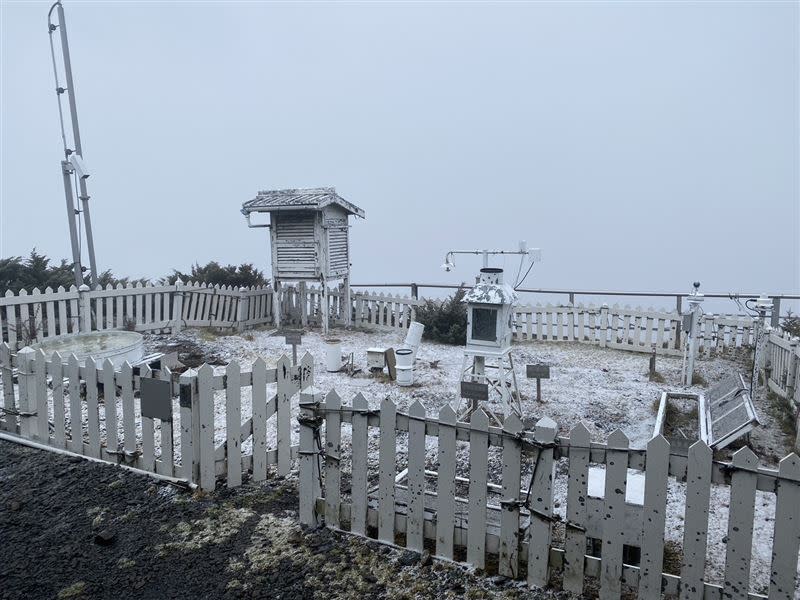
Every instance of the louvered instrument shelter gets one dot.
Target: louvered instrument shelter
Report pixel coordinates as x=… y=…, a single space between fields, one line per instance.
x=309 y=234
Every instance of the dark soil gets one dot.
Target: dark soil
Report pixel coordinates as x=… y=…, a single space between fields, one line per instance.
x=71 y=528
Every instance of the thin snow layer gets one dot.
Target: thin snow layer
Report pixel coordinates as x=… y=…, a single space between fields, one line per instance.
x=603 y=388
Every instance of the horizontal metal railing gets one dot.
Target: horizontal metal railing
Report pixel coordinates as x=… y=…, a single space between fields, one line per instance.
x=573 y=293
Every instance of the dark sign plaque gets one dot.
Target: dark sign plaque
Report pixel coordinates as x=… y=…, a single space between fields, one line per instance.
x=156 y=399
x=474 y=391
x=538 y=371
x=293 y=337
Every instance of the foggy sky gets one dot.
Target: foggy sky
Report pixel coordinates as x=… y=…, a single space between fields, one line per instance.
x=640 y=145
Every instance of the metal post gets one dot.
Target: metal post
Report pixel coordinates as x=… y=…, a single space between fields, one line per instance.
x=678 y=308
x=776 y=311
x=66 y=169
x=76 y=134
x=485 y=259
x=415 y=291
x=695 y=299
x=325 y=309
x=348 y=307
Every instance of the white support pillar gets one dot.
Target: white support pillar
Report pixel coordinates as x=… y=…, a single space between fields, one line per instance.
x=177 y=307
x=690 y=351
x=242 y=310
x=347 y=302
x=277 y=303
x=762 y=326
x=325 y=308
x=84 y=309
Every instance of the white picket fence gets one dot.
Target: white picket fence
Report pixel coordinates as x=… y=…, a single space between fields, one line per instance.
x=28 y=318
x=782 y=366
x=477 y=519
x=303 y=305
x=59 y=402
x=626 y=328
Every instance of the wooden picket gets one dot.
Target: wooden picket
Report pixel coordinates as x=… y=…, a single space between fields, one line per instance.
x=387 y=471
x=446 y=490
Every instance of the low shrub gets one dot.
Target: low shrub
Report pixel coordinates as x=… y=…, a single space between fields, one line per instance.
x=445 y=320
x=245 y=275
x=791 y=324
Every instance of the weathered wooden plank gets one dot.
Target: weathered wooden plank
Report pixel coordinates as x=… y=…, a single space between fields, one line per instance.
x=333 y=452
x=478 y=471
x=42 y=429
x=416 y=476
x=284 y=409
x=51 y=318
x=387 y=471
x=541 y=505
x=128 y=415
x=75 y=416
x=740 y=525
x=695 y=532
x=509 y=517
x=9 y=420
x=206 y=426
x=166 y=466
x=147 y=460
x=233 y=424
x=110 y=406
x=188 y=402
x=259 y=420
x=654 y=516
x=614 y=520
x=92 y=408
x=575 y=539
x=446 y=484
x=786 y=538
x=358 y=492
x=56 y=369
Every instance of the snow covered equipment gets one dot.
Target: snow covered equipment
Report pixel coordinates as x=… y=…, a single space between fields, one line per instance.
x=487 y=357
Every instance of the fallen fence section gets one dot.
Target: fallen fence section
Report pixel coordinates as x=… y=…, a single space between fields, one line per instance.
x=94 y=410
x=476 y=520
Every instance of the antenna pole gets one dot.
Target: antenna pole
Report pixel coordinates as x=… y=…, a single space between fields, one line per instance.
x=76 y=135
x=66 y=171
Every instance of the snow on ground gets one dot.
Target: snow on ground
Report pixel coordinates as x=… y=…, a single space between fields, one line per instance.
x=605 y=389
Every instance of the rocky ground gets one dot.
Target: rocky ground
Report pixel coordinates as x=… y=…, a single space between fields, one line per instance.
x=75 y=529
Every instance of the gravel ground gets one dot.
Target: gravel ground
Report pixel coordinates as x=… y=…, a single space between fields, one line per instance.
x=75 y=529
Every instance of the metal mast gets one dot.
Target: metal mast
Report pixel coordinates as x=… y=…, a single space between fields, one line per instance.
x=72 y=167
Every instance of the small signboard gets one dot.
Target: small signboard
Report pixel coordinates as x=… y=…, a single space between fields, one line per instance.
x=538 y=371
x=293 y=337
x=472 y=390
x=156 y=399
x=391 y=362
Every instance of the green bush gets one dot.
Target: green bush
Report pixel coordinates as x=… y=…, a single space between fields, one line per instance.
x=791 y=324
x=445 y=320
x=36 y=271
x=245 y=275
x=17 y=273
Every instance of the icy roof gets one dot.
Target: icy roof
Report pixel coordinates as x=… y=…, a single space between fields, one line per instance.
x=490 y=293
x=298 y=199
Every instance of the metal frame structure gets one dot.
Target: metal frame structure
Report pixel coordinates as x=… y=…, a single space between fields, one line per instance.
x=72 y=166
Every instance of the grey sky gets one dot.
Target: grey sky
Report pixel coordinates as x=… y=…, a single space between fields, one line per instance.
x=628 y=140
